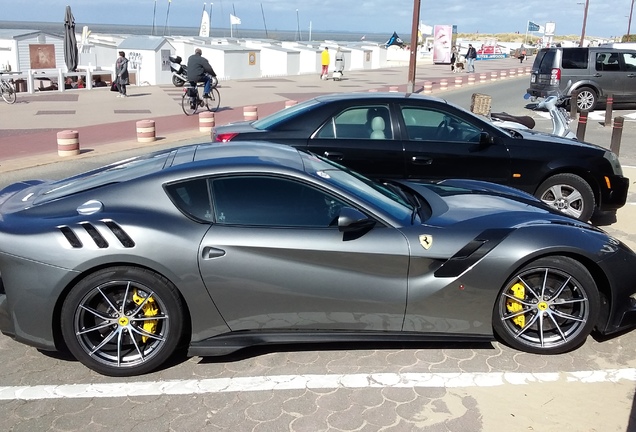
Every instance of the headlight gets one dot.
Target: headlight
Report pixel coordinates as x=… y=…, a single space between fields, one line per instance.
x=614 y=162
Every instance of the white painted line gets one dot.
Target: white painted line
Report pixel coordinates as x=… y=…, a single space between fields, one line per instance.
x=300 y=382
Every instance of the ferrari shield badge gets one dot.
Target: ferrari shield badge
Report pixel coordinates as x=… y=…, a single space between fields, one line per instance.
x=426 y=240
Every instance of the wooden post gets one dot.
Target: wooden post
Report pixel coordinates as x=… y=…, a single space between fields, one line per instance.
x=617 y=133
x=573 y=108
x=608 y=110
x=580 y=130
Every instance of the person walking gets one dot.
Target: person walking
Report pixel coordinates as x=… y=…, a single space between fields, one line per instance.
x=324 y=57
x=199 y=70
x=121 y=71
x=522 y=56
x=471 y=55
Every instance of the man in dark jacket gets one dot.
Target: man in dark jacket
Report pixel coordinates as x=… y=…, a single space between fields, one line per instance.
x=199 y=70
x=471 y=55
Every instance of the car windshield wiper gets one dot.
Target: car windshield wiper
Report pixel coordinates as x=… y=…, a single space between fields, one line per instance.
x=407 y=196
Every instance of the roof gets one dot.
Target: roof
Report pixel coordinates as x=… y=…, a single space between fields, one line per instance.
x=150 y=43
x=21 y=33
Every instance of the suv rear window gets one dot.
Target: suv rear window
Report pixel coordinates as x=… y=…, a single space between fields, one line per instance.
x=545 y=61
x=574 y=58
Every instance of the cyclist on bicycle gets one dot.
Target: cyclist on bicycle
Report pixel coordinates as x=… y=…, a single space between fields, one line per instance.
x=199 y=70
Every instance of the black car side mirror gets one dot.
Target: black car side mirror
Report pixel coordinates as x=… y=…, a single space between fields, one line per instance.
x=352 y=220
x=485 y=139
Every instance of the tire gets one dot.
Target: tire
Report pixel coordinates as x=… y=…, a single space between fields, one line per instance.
x=177 y=81
x=212 y=103
x=587 y=99
x=103 y=310
x=188 y=104
x=548 y=307
x=8 y=93
x=568 y=193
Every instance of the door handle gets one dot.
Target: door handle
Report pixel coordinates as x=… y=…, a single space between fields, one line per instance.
x=421 y=160
x=334 y=155
x=210 y=252
x=631 y=75
x=598 y=75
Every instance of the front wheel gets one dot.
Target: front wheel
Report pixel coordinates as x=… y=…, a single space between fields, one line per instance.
x=8 y=93
x=568 y=193
x=212 y=103
x=586 y=99
x=548 y=307
x=122 y=321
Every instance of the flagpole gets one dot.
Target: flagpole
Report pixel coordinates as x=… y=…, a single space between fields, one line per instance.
x=527 y=26
x=167 y=13
x=264 y=23
x=154 y=13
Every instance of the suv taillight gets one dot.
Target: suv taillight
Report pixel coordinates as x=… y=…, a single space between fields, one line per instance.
x=555 y=76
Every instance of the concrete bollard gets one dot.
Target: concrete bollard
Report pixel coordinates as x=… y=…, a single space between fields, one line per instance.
x=471 y=79
x=68 y=143
x=617 y=133
x=520 y=71
x=528 y=70
x=483 y=78
x=503 y=74
x=250 y=113
x=428 y=87
x=145 y=131
x=443 y=84
x=512 y=73
x=290 y=102
x=206 y=121
x=393 y=89
x=493 y=76
x=458 y=81
x=580 y=130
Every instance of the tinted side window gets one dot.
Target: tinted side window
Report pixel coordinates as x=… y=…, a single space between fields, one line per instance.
x=629 y=59
x=607 y=61
x=272 y=201
x=431 y=125
x=193 y=198
x=369 y=122
x=575 y=58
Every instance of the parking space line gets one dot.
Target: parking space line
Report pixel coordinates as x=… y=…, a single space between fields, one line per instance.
x=300 y=382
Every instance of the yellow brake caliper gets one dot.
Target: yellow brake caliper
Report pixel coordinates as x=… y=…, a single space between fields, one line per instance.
x=150 y=309
x=514 y=306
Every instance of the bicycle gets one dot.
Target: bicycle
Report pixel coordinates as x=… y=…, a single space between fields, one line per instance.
x=192 y=98
x=7 y=89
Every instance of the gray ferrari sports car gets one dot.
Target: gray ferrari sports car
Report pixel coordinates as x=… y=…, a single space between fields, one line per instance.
x=216 y=247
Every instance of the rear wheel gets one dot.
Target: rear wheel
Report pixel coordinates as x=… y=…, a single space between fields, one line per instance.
x=122 y=321
x=586 y=99
x=178 y=82
x=568 y=193
x=189 y=104
x=8 y=92
x=549 y=307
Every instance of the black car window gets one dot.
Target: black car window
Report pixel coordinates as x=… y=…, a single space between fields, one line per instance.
x=272 y=201
x=193 y=198
x=364 y=122
x=428 y=124
x=574 y=58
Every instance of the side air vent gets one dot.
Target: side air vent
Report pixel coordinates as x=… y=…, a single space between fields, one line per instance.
x=95 y=235
x=73 y=240
x=121 y=235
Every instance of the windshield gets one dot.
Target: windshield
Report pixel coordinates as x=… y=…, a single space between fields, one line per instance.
x=120 y=171
x=272 y=120
x=365 y=189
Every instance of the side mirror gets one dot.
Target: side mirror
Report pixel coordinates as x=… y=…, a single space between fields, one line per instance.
x=351 y=220
x=485 y=139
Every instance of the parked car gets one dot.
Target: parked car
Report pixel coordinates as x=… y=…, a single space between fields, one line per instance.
x=393 y=135
x=224 y=246
x=595 y=72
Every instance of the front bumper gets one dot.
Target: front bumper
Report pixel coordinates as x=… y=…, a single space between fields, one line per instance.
x=614 y=198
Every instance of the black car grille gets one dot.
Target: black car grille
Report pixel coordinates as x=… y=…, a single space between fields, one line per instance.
x=100 y=241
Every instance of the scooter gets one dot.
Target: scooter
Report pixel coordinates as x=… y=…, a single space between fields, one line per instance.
x=179 y=71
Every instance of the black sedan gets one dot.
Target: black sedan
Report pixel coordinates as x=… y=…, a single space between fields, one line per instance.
x=393 y=135
x=222 y=246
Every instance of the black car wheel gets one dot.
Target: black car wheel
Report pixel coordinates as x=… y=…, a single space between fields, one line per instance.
x=122 y=321
x=586 y=99
x=549 y=307
x=568 y=193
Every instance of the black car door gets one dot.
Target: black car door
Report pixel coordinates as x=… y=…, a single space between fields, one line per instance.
x=440 y=142
x=363 y=138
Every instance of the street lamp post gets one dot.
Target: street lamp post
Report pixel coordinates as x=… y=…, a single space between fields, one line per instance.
x=413 y=56
x=587 y=4
x=629 y=24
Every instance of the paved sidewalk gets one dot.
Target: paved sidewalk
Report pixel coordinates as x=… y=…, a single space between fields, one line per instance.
x=28 y=129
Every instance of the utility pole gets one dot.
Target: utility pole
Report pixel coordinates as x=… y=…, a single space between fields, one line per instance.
x=587 y=4
x=413 y=57
x=629 y=24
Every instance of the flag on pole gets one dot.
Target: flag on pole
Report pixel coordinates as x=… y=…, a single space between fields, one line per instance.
x=532 y=27
x=234 y=20
x=204 y=29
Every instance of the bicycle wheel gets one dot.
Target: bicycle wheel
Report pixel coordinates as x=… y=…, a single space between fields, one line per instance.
x=212 y=103
x=8 y=93
x=189 y=104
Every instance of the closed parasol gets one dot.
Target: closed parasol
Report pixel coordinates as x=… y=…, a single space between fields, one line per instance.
x=70 y=41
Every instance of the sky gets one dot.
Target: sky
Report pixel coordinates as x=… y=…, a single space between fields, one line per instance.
x=606 y=18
